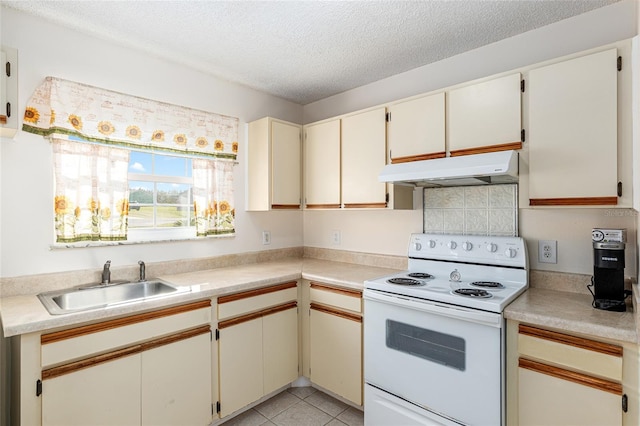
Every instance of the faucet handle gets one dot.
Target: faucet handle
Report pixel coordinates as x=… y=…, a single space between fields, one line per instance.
x=142 y=271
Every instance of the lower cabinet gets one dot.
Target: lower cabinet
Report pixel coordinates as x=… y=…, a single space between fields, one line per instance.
x=569 y=380
x=164 y=379
x=107 y=394
x=257 y=344
x=335 y=340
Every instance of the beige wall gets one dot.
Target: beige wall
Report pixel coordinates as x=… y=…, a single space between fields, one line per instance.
x=26 y=171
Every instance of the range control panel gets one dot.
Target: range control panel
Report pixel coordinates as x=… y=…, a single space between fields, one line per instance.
x=503 y=251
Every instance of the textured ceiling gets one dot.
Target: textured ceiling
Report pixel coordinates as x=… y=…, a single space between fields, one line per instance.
x=306 y=50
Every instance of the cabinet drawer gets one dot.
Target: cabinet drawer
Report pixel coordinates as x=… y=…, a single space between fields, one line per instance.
x=255 y=300
x=350 y=300
x=576 y=353
x=80 y=342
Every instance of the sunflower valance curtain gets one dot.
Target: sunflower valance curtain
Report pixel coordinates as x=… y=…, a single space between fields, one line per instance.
x=66 y=108
x=92 y=131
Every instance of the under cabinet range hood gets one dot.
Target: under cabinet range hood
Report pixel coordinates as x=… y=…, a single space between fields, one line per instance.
x=475 y=169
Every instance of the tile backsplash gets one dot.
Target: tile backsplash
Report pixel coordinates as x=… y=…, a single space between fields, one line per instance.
x=472 y=210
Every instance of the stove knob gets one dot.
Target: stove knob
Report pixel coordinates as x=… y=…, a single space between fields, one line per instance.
x=467 y=246
x=511 y=253
x=432 y=243
x=491 y=247
x=417 y=246
x=452 y=245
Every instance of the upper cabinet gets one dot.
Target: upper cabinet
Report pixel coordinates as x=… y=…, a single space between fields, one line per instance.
x=274 y=165
x=416 y=129
x=485 y=117
x=8 y=92
x=573 y=137
x=363 y=157
x=322 y=165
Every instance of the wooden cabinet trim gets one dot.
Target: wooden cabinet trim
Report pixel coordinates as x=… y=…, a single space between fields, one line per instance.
x=488 y=148
x=322 y=206
x=256 y=292
x=365 y=205
x=121 y=353
x=336 y=312
x=3 y=119
x=579 y=342
x=572 y=376
x=343 y=291
x=574 y=201
x=419 y=157
x=255 y=315
x=57 y=336
x=285 y=206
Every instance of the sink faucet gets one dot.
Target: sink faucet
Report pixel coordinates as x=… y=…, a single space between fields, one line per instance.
x=106 y=273
x=142 y=271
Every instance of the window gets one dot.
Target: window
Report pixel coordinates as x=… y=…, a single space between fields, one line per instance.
x=112 y=184
x=160 y=196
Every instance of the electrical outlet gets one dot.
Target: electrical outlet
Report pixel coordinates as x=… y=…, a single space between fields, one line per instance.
x=547 y=251
x=335 y=237
x=266 y=237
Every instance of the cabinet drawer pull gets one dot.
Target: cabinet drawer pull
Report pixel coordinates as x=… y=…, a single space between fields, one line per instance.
x=255 y=292
x=259 y=314
x=336 y=312
x=343 y=291
x=120 y=322
x=579 y=342
x=582 y=379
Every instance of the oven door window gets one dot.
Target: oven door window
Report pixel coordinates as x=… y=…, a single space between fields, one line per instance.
x=428 y=344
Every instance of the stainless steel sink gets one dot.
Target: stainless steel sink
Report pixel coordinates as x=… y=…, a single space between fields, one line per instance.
x=102 y=296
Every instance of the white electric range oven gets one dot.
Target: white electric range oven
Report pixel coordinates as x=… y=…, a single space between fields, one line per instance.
x=434 y=338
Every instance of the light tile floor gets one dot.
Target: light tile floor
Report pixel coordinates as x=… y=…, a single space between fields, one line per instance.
x=303 y=406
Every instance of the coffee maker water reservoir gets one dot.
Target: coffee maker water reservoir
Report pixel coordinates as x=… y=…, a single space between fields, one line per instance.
x=608 y=269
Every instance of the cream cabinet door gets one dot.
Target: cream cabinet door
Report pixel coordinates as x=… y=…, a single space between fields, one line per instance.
x=416 y=129
x=573 y=131
x=273 y=165
x=103 y=394
x=176 y=383
x=280 y=349
x=336 y=354
x=551 y=401
x=485 y=116
x=241 y=368
x=363 y=157
x=322 y=165
x=286 y=164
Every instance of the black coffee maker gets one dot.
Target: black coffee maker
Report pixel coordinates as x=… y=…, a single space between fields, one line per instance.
x=608 y=269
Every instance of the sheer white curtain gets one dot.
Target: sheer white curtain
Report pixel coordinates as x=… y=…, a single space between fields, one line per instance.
x=213 y=197
x=91 y=195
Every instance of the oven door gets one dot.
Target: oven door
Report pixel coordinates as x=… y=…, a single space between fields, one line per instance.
x=444 y=358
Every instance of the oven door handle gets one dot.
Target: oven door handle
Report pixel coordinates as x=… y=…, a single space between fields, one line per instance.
x=472 y=315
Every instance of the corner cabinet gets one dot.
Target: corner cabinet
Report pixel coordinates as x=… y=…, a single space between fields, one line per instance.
x=363 y=157
x=573 y=137
x=257 y=344
x=564 y=379
x=147 y=369
x=485 y=116
x=274 y=165
x=335 y=340
x=322 y=165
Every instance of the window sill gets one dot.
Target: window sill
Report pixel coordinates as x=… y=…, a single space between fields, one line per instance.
x=87 y=244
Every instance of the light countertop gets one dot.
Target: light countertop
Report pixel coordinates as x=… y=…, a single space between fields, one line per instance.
x=572 y=313
x=25 y=314
x=563 y=311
